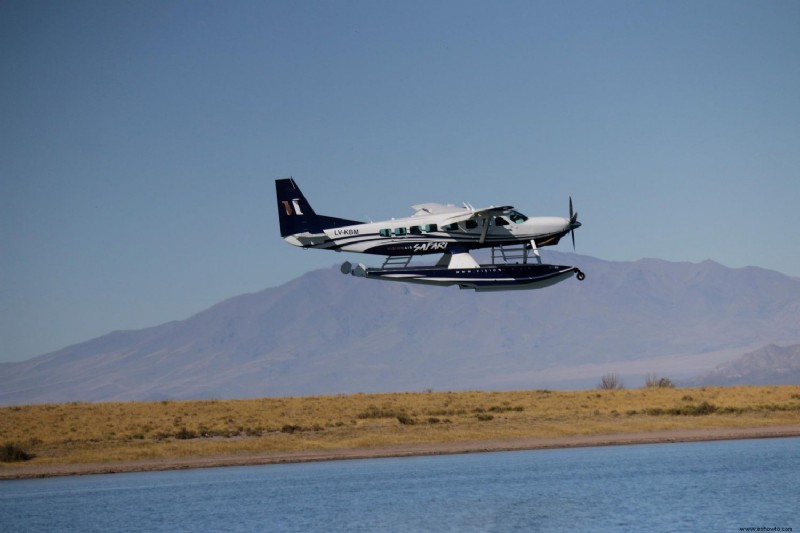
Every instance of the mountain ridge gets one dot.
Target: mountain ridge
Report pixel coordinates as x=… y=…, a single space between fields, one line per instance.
x=325 y=333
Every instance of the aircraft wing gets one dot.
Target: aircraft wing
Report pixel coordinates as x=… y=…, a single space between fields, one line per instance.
x=435 y=209
x=485 y=212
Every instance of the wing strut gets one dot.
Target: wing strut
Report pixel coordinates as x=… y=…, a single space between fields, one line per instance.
x=485 y=229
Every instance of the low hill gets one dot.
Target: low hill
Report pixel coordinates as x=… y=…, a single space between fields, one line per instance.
x=325 y=333
x=771 y=365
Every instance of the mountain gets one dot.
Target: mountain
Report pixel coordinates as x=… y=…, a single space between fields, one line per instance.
x=325 y=333
x=771 y=365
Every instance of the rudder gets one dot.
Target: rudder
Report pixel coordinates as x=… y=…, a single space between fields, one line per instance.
x=294 y=212
x=297 y=216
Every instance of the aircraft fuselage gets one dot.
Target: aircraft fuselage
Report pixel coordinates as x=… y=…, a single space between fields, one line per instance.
x=419 y=235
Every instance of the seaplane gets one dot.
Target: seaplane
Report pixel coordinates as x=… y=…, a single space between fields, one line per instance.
x=448 y=230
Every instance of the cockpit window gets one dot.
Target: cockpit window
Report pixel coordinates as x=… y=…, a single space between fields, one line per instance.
x=500 y=221
x=517 y=217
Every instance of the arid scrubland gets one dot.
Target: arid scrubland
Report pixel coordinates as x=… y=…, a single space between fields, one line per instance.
x=77 y=433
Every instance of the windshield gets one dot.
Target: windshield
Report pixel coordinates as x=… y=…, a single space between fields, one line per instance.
x=517 y=217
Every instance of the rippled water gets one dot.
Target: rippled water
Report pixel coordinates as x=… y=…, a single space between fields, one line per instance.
x=716 y=486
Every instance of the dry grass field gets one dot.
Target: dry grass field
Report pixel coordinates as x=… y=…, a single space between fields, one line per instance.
x=81 y=433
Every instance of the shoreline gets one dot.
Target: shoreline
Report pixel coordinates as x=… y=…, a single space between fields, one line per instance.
x=405 y=450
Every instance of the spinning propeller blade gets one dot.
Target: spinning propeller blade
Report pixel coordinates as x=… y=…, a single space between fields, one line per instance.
x=573 y=222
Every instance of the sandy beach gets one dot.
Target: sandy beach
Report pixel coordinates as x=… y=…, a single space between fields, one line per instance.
x=533 y=443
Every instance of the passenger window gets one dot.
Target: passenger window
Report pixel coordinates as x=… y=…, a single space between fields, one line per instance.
x=399 y=231
x=415 y=230
x=431 y=227
x=451 y=227
x=386 y=233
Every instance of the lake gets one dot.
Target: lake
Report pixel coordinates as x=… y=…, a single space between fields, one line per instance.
x=714 y=486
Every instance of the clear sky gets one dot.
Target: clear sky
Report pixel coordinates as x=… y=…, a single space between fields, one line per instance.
x=140 y=140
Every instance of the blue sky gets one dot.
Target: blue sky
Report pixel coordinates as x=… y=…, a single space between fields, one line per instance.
x=140 y=140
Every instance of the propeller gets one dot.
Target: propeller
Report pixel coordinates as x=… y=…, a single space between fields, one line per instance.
x=573 y=222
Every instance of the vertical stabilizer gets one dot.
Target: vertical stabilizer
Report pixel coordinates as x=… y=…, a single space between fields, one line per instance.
x=297 y=216
x=294 y=211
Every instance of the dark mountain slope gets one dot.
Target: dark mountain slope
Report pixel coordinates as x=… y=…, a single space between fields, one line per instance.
x=328 y=333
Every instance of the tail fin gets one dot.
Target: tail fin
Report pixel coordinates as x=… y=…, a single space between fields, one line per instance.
x=294 y=211
x=297 y=216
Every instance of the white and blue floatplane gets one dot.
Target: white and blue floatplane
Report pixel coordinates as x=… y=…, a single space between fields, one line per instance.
x=452 y=231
